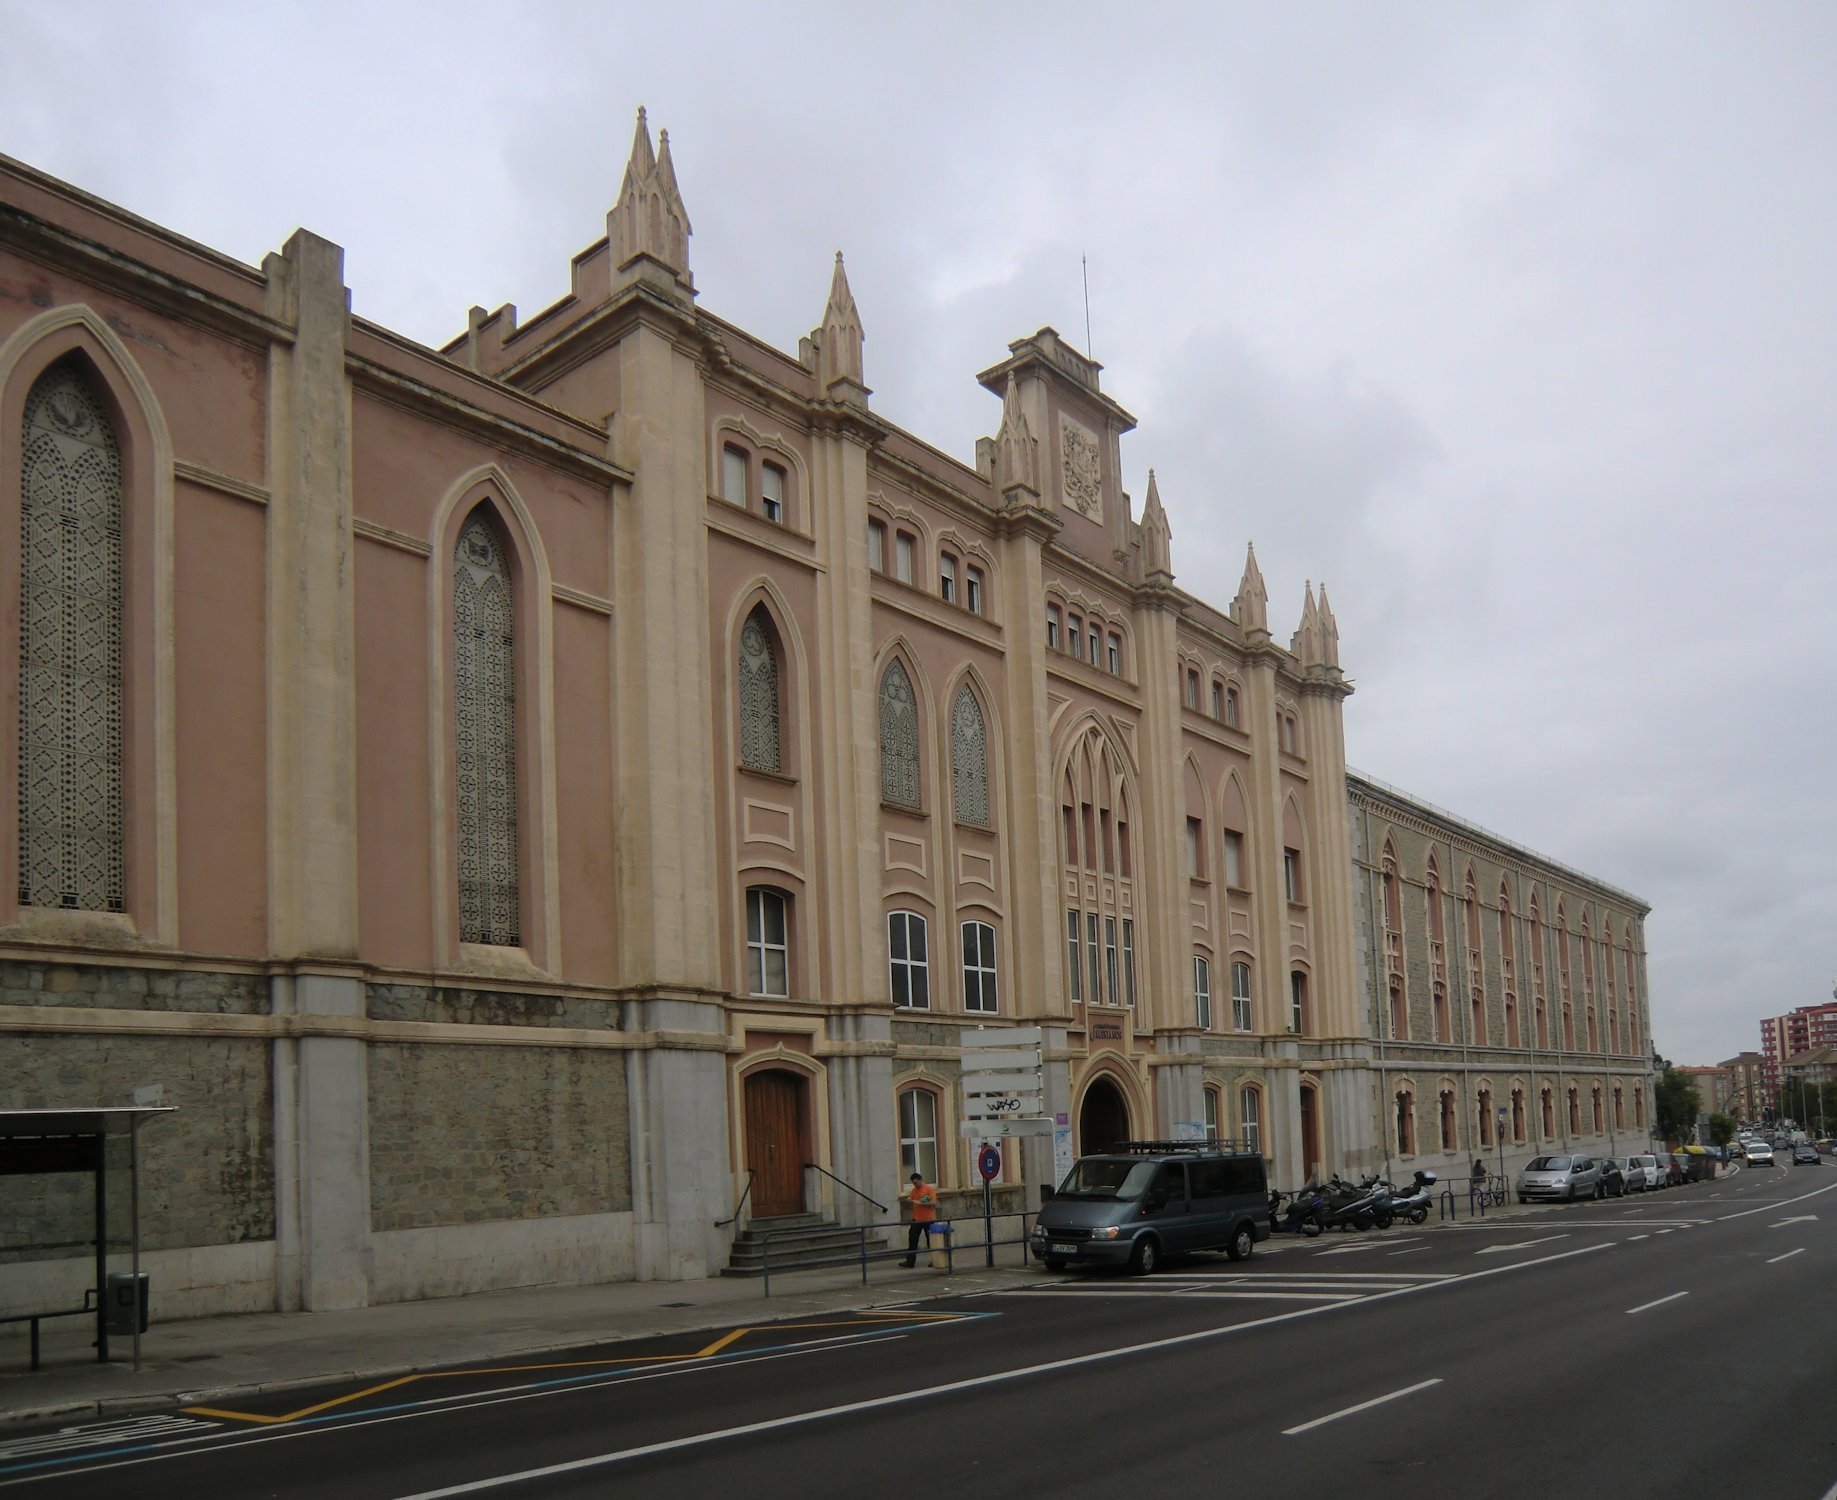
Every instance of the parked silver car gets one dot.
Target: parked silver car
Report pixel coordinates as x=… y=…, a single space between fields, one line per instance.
x=1564 y=1178
x=1644 y=1172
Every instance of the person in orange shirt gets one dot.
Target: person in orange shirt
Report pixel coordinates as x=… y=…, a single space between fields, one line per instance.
x=924 y=1200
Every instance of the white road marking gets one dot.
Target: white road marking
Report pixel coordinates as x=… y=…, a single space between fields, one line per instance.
x=1521 y=1245
x=1768 y=1208
x=1417 y=1251
x=977 y=1382
x=1660 y=1303
x=1787 y=1256
x=1228 y=1293
x=1632 y=1237
x=104 y=1435
x=1664 y=1231
x=1408 y=1390
x=1795 y=1219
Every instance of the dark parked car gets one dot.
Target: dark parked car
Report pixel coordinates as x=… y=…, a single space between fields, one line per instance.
x=1614 y=1176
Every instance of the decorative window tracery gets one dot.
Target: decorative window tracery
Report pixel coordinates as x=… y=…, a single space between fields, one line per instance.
x=485 y=720
x=70 y=817
x=899 y=747
x=969 y=760
x=759 y=707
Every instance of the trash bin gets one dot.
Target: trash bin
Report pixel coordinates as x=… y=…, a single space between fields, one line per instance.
x=939 y=1235
x=122 y=1300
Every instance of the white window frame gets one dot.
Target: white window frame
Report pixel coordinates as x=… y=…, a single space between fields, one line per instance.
x=734 y=465
x=876 y=546
x=905 y=553
x=1240 y=995
x=1052 y=627
x=981 y=994
x=1202 y=992
x=918 y=1146
x=760 y=948
x=947 y=578
x=914 y=969
x=1250 y=1112
x=972 y=588
x=1129 y=962
x=1234 y=859
x=772 y=486
x=1074 y=956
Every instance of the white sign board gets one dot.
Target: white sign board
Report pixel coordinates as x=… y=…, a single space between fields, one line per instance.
x=1062 y=1158
x=982 y=1130
x=1004 y=1036
x=1001 y=1083
x=1001 y=1106
x=1001 y=1061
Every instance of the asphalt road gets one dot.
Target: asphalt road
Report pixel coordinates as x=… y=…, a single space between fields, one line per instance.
x=1668 y=1344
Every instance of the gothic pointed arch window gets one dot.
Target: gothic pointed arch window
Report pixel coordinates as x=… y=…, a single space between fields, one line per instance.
x=70 y=781
x=760 y=716
x=899 y=738
x=969 y=760
x=485 y=735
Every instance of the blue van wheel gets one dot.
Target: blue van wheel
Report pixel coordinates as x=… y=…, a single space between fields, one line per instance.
x=1146 y=1257
x=1243 y=1242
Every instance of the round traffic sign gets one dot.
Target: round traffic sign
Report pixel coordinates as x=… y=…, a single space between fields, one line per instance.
x=988 y=1162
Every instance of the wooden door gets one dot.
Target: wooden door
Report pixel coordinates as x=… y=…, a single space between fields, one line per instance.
x=1310 y=1130
x=776 y=1147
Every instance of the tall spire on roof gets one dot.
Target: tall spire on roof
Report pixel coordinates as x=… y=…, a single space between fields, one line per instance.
x=1306 y=642
x=1329 y=631
x=649 y=219
x=1017 y=451
x=1157 y=536
x=1251 y=607
x=838 y=341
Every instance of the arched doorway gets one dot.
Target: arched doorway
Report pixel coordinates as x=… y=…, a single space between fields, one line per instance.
x=777 y=1140
x=1310 y=1130
x=1103 y=1120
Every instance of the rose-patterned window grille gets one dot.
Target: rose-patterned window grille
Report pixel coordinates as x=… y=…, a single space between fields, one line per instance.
x=759 y=711
x=899 y=750
x=485 y=719
x=70 y=843
x=969 y=766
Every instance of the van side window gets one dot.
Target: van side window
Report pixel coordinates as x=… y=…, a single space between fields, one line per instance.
x=1207 y=1179
x=1243 y=1174
x=1170 y=1185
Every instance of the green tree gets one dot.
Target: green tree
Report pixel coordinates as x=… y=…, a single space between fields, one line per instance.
x=1721 y=1129
x=1675 y=1103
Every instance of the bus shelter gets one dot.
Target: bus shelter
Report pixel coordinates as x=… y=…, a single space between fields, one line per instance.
x=40 y=1142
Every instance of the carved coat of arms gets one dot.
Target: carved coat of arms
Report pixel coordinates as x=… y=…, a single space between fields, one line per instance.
x=1082 y=467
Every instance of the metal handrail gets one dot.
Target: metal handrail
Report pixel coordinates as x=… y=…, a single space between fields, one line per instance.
x=811 y=1166
x=863 y=1257
x=723 y=1223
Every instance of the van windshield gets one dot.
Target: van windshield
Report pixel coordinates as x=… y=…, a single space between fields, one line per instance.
x=1107 y=1177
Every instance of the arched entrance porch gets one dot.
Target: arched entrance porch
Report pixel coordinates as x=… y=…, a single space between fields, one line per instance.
x=1103 y=1119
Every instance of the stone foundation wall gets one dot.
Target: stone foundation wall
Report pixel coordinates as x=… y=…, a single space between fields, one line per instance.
x=467 y=1134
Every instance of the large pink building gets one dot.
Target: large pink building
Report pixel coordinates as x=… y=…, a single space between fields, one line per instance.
x=533 y=803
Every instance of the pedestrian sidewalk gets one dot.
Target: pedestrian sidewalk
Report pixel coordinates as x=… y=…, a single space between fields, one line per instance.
x=206 y=1360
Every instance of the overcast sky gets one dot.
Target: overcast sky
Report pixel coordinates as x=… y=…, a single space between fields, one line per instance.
x=1513 y=323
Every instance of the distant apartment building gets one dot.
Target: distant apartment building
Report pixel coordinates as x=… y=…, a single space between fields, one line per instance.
x=1803 y=1030
x=1745 y=1086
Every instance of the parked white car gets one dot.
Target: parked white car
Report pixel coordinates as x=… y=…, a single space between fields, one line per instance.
x=1644 y=1172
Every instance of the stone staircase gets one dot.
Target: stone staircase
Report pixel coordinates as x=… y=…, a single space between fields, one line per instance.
x=798 y=1240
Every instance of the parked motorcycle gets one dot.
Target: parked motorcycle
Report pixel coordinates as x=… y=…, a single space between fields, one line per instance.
x=1305 y=1215
x=1359 y=1206
x=1413 y=1204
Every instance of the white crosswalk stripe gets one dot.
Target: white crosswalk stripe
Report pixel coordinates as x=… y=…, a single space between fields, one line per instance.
x=1254 y=1286
x=104 y=1435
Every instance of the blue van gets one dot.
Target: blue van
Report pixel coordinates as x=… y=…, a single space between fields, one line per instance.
x=1143 y=1200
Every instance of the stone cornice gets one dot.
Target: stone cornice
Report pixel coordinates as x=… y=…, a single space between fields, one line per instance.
x=96 y=263
x=424 y=400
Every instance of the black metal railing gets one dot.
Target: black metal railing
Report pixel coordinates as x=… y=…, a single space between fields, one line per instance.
x=739 y=1207
x=811 y=1166
x=864 y=1255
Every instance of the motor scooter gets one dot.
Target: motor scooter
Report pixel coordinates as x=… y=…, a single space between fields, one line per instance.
x=1305 y=1215
x=1413 y=1204
x=1359 y=1206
